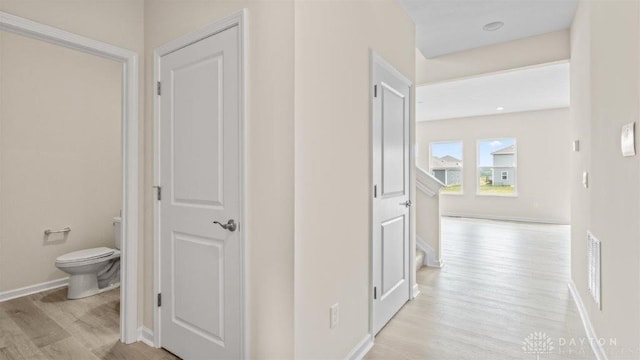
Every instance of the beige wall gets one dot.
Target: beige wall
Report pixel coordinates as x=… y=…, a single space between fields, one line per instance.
x=544 y=145
x=60 y=156
x=270 y=158
x=605 y=95
x=534 y=50
x=332 y=170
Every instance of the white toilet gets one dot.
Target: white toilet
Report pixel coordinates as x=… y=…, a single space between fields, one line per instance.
x=92 y=271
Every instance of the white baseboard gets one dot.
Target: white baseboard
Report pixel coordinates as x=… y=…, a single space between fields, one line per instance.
x=598 y=351
x=416 y=291
x=146 y=336
x=433 y=262
x=430 y=257
x=33 y=289
x=360 y=350
x=506 y=218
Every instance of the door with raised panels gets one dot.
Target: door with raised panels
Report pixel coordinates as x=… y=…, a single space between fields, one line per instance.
x=391 y=204
x=199 y=142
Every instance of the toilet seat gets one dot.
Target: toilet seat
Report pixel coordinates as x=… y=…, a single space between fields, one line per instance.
x=84 y=255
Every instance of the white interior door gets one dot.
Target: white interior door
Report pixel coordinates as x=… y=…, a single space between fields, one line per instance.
x=391 y=205
x=201 y=262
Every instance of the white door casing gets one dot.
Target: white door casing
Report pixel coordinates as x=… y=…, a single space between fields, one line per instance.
x=391 y=194
x=200 y=167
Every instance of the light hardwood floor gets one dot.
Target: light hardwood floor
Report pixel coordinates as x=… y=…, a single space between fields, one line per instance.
x=502 y=281
x=48 y=326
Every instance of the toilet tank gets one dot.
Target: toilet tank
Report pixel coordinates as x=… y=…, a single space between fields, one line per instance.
x=117 y=231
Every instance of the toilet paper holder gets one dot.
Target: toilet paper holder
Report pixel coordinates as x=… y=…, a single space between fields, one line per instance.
x=49 y=231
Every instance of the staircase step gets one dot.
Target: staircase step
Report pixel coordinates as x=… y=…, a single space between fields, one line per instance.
x=419 y=259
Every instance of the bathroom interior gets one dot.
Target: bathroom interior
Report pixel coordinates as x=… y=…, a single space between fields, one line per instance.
x=60 y=181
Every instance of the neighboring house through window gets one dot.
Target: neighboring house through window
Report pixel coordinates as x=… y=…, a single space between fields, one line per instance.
x=445 y=164
x=497 y=167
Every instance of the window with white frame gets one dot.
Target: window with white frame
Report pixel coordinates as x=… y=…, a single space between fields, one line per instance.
x=497 y=170
x=445 y=164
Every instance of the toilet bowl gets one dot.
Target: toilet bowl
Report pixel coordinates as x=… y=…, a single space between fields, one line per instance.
x=88 y=268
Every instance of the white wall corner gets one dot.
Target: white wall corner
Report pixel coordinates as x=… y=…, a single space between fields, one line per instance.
x=361 y=349
x=145 y=335
x=416 y=291
x=33 y=289
x=597 y=348
x=430 y=256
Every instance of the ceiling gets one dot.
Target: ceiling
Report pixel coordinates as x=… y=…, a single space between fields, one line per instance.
x=528 y=89
x=448 y=26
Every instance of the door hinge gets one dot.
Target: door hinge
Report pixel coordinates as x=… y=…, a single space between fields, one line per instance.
x=375 y=293
x=159 y=192
x=375 y=90
x=375 y=191
x=159 y=88
x=159 y=299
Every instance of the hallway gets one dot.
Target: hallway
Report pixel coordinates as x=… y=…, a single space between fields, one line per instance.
x=501 y=282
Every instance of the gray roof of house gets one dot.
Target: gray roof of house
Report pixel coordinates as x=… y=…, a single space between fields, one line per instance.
x=450 y=158
x=445 y=162
x=511 y=149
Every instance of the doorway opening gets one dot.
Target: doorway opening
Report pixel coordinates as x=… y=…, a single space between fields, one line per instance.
x=127 y=195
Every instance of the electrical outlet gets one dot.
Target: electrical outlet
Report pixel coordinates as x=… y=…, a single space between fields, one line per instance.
x=585 y=179
x=333 y=315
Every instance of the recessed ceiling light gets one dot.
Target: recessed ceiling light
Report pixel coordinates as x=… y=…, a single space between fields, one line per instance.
x=493 y=26
x=499 y=108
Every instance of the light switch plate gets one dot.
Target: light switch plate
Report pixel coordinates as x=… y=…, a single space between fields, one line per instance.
x=576 y=145
x=334 y=315
x=627 y=140
x=585 y=179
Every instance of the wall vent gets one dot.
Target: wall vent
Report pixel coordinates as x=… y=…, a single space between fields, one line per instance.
x=593 y=263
